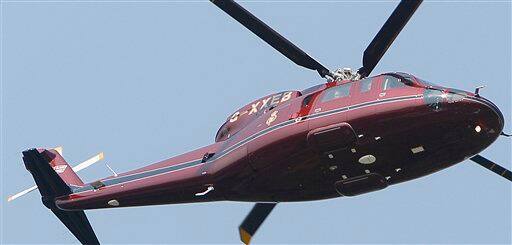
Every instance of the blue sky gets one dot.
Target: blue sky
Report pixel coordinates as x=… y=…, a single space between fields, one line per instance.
x=143 y=81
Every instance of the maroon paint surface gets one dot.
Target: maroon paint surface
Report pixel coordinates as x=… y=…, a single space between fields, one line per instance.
x=283 y=165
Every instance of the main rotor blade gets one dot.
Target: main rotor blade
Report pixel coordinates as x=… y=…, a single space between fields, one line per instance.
x=488 y=164
x=270 y=36
x=387 y=34
x=253 y=220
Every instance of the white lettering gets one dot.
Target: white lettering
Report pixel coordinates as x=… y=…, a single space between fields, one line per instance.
x=286 y=96
x=234 y=117
x=254 y=108
x=265 y=102
x=275 y=99
x=272 y=118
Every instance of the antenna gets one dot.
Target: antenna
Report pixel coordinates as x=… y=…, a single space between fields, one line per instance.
x=111 y=170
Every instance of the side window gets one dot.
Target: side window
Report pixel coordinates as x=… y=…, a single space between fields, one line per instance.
x=339 y=91
x=307 y=101
x=365 y=85
x=390 y=82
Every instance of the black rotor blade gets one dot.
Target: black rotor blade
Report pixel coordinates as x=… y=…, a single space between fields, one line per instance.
x=387 y=34
x=253 y=220
x=270 y=36
x=488 y=164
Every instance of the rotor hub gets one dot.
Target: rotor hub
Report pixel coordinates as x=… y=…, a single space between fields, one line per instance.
x=344 y=74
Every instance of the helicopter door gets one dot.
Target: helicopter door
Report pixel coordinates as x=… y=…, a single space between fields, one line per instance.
x=329 y=103
x=329 y=130
x=364 y=91
x=331 y=138
x=391 y=86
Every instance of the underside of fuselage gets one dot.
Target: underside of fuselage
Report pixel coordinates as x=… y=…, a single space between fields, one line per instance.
x=396 y=146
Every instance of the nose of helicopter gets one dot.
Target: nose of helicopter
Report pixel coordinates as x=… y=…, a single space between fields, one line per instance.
x=489 y=106
x=468 y=107
x=461 y=125
x=483 y=118
x=472 y=121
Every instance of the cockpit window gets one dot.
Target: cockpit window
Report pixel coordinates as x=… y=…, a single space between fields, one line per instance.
x=426 y=83
x=339 y=91
x=390 y=82
x=365 y=85
x=406 y=78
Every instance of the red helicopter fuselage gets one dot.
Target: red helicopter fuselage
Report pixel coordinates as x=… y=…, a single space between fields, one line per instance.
x=341 y=138
x=352 y=135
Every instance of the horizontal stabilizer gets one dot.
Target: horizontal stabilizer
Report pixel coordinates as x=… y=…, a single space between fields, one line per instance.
x=78 y=224
x=50 y=186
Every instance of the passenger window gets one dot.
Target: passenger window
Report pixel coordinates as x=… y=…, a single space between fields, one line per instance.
x=390 y=82
x=365 y=85
x=307 y=100
x=337 y=92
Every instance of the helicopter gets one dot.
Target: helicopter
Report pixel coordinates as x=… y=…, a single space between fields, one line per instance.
x=323 y=142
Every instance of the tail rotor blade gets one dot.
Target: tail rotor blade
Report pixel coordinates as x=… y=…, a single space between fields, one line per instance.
x=76 y=168
x=59 y=149
x=253 y=220
x=88 y=162
x=387 y=34
x=21 y=193
x=488 y=164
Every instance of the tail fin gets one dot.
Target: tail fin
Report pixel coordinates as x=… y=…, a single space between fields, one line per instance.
x=52 y=179
x=77 y=168
x=62 y=168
